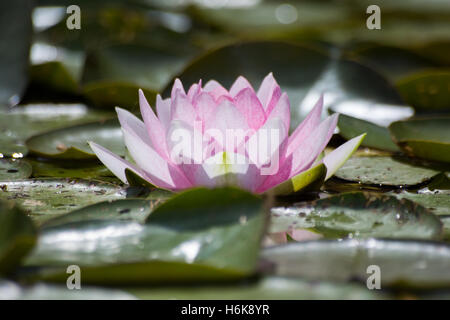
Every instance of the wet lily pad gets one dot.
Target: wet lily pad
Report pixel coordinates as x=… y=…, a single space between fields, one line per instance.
x=427 y=138
x=436 y=203
x=267 y=288
x=426 y=91
x=44 y=198
x=384 y=171
x=15 y=32
x=12 y=169
x=402 y=263
x=24 y=121
x=377 y=137
x=359 y=215
x=41 y=291
x=17 y=236
x=71 y=142
x=309 y=73
x=198 y=235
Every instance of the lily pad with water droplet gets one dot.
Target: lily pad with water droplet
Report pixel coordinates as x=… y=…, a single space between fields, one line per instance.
x=45 y=198
x=402 y=263
x=358 y=215
x=71 y=142
x=12 y=169
x=385 y=171
x=17 y=235
x=198 y=235
x=427 y=138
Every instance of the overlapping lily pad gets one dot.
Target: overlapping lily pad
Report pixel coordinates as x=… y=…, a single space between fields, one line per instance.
x=45 y=198
x=309 y=73
x=71 y=142
x=426 y=91
x=385 y=171
x=359 y=215
x=12 y=169
x=427 y=138
x=401 y=263
x=201 y=234
x=17 y=236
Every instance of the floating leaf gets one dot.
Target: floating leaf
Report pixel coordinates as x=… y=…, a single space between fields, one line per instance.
x=267 y=288
x=377 y=136
x=198 y=235
x=40 y=291
x=44 y=198
x=11 y=169
x=17 y=236
x=427 y=138
x=384 y=171
x=426 y=91
x=71 y=142
x=308 y=74
x=402 y=263
x=359 y=215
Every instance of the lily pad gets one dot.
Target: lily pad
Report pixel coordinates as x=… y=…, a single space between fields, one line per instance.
x=309 y=73
x=426 y=91
x=402 y=263
x=12 y=169
x=15 y=35
x=41 y=291
x=427 y=138
x=49 y=197
x=377 y=137
x=17 y=236
x=24 y=121
x=71 y=142
x=384 y=171
x=198 y=235
x=359 y=215
x=267 y=288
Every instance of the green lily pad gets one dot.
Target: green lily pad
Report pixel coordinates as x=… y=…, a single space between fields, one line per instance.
x=109 y=94
x=54 y=76
x=402 y=263
x=377 y=137
x=198 y=235
x=307 y=180
x=41 y=291
x=427 y=138
x=15 y=34
x=426 y=91
x=24 y=121
x=71 y=142
x=45 y=198
x=436 y=203
x=446 y=223
x=126 y=209
x=384 y=171
x=17 y=236
x=267 y=288
x=359 y=215
x=12 y=169
x=309 y=73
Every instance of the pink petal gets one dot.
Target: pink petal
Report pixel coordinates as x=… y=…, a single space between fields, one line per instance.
x=282 y=111
x=205 y=106
x=312 y=146
x=240 y=84
x=248 y=104
x=182 y=108
x=126 y=118
x=268 y=93
x=177 y=86
x=155 y=129
x=311 y=121
x=163 y=111
x=194 y=90
x=114 y=163
x=304 y=235
x=161 y=173
x=215 y=89
x=185 y=143
x=336 y=158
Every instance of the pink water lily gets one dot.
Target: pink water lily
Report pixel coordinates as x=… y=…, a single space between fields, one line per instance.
x=211 y=136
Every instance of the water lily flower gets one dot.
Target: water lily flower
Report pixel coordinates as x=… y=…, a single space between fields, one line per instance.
x=211 y=136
